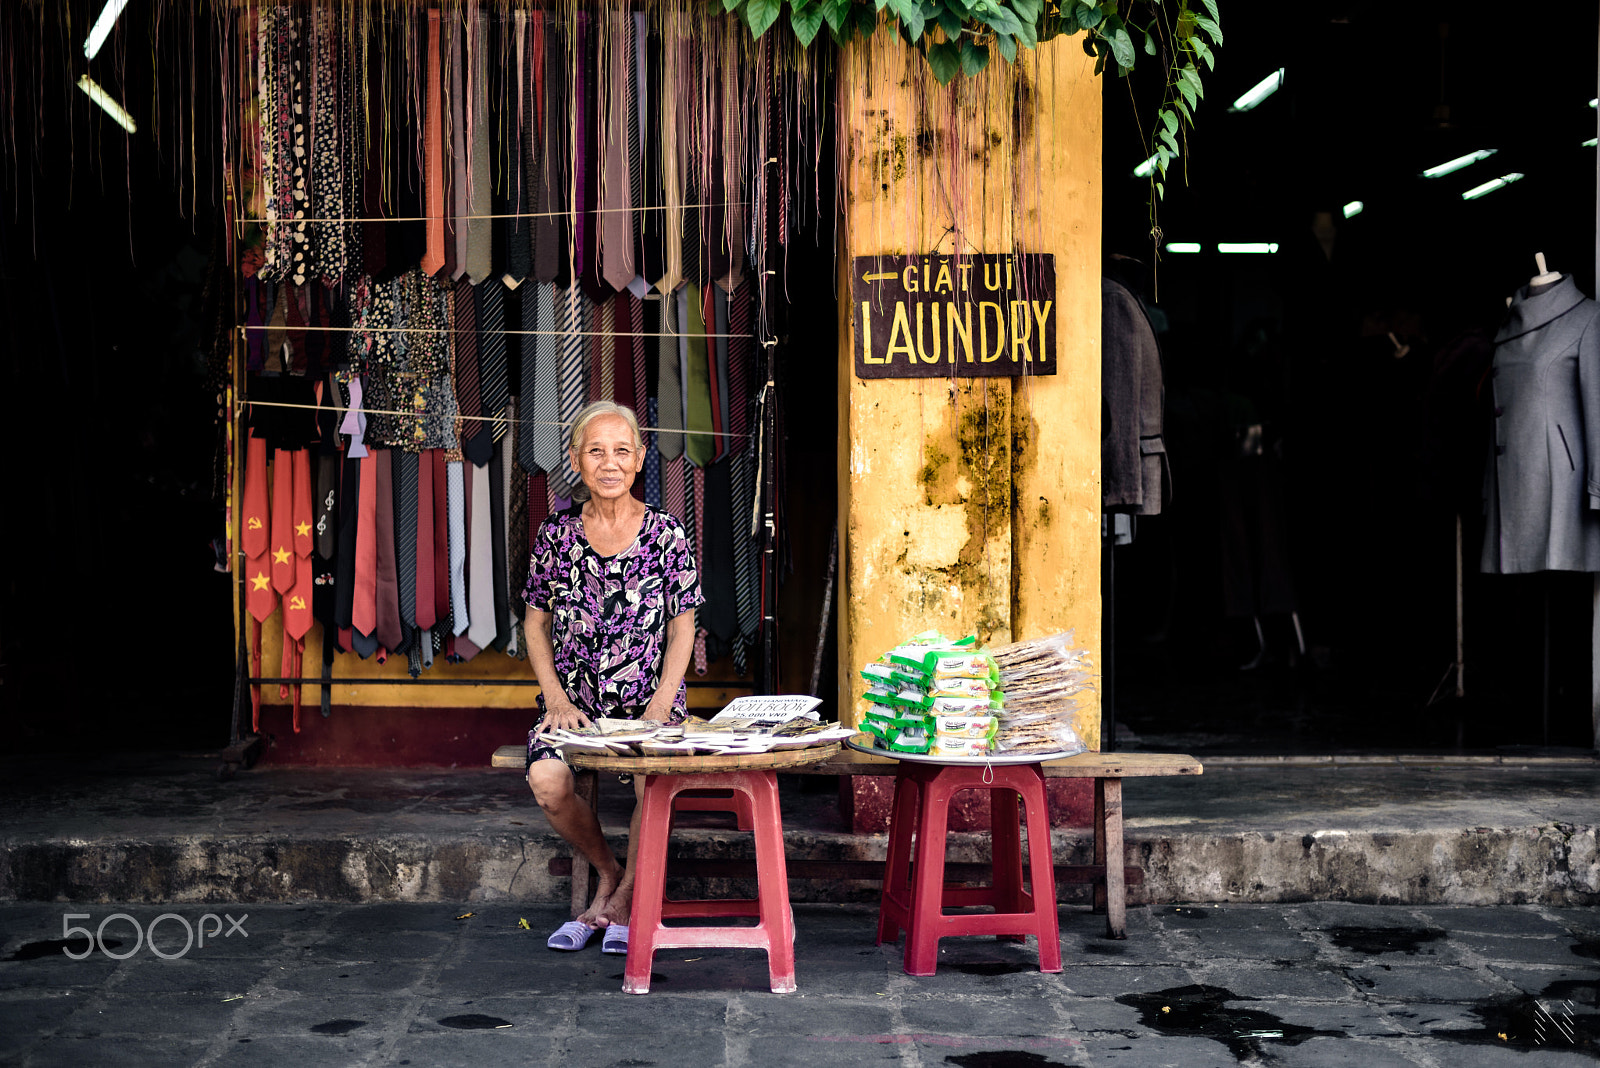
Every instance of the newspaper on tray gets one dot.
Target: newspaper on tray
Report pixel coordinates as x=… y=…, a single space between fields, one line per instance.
x=746 y=725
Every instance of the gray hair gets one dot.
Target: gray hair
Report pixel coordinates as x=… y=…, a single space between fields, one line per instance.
x=594 y=411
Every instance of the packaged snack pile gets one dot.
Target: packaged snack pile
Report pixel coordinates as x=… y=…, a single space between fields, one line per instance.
x=933 y=695
x=1041 y=679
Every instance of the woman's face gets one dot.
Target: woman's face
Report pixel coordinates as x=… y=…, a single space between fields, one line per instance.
x=608 y=459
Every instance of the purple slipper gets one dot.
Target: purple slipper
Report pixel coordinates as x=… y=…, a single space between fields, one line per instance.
x=616 y=940
x=570 y=936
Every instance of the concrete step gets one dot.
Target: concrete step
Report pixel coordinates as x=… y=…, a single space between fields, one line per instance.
x=164 y=829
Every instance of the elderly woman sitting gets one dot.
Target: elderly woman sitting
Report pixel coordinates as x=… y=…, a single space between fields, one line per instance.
x=611 y=596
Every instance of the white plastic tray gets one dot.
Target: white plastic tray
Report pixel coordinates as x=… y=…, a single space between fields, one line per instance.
x=979 y=761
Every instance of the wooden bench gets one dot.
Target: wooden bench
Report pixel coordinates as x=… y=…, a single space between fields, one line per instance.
x=1110 y=880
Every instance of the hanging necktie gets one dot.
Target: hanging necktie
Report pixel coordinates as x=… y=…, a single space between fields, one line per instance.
x=492 y=371
x=619 y=368
x=469 y=402
x=460 y=204
x=480 y=183
x=499 y=491
x=669 y=384
x=698 y=447
x=519 y=155
x=740 y=347
x=538 y=509
x=674 y=489
x=364 y=606
x=344 y=582
x=297 y=615
x=456 y=500
x=516 y=550
x=355 y=421
x=533 y=297
x=652 y=459
x=480 y=562
x=407 y=489
x=388 y=630
x=717 y=359
x=260 y=599
x=616 y=193
x=574 y=385
x=552 y=185
x=653 y=227
x=283 y=568
x=638 y=106
x=326 y=524
x=638 y=348
x=441 y=543
x=433 y=150
x=424 y=609
x=746 y=583
x=699 y=505
x=603 y=351
x=548 y=443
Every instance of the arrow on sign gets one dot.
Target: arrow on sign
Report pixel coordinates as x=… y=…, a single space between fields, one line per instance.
x=880 y=277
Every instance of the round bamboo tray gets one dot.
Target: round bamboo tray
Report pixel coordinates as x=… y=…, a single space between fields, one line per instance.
x=690 y=765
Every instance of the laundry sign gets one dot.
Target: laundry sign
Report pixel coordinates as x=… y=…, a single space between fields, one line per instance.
x=935 y=316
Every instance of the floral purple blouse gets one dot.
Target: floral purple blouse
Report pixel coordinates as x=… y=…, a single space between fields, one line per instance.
x=610 y=613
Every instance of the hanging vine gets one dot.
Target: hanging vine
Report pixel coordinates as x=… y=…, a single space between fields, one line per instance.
x=959 y=38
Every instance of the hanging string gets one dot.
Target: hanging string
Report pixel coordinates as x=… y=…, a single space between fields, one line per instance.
x=296 y=220
x=245 y=329
x=240 y=406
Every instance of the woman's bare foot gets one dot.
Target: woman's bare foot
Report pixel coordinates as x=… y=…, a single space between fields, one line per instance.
x=618 y=908
x=607 y=886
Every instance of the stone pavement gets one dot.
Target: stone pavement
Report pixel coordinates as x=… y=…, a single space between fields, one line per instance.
x=426 y=984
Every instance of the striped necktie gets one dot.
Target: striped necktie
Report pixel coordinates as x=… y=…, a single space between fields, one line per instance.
x=746 y=580
x=717 y=355
x=423 y=570
x=479 y=181
x=533 y=299
x=641 y=367
x=669 y=388
x=740 y=346
x=492 y=371
x=388 y=632
x=700 y=614
x=603 y=352
x=406 y=491
x=468 y=394
x=546 y=435
x=441 y=544
x=574 y=386
x=673 y=490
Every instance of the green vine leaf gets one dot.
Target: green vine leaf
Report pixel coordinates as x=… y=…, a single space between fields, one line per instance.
x=806 y=21
x=1122 y=48
x=835 y=12
x=1007 y=46
x=762 y=14
x=731 y=5
x=1208 y=25
x=944 y=59
x=973 y=57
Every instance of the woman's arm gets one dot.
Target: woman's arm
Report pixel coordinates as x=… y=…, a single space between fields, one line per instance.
x=559 y=711
x=680 y=646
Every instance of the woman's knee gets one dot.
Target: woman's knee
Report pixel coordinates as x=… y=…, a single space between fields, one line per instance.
x=551 y=782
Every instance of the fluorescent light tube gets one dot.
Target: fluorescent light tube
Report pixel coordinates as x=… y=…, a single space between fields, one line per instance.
x=1263 y=89
x=1489 y=187
x=1451 y=166
x=1595 y=103
x=1592 y=142
x=1355 y=207
x=112 y=108
x=1184 y=246
x=102 y=26
x=1256 y=247
x=1147 y=168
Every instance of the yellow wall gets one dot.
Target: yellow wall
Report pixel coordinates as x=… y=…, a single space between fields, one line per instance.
x=972 y=504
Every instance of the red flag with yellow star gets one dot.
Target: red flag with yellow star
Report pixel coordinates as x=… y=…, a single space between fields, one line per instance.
x=304 y=491
x=282 y=543
x=253 y=517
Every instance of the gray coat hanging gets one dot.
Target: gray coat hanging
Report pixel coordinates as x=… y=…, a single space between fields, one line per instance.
x=1133 y=456
x=1542 y=492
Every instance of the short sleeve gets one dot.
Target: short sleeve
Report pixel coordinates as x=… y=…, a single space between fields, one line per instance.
x=541 y=564
x=677 y=563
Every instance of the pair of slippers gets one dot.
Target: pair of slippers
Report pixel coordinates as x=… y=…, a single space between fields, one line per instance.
x=575 y=934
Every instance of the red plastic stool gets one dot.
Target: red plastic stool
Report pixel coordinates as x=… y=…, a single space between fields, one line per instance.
x=914 y=898
x=646 y=932
x=719 y=801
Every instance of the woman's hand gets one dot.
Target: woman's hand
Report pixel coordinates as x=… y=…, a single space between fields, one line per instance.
x=659 y=710
x=561 y=713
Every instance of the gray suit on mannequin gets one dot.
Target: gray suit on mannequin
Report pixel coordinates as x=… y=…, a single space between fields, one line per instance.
x=1543 y=479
